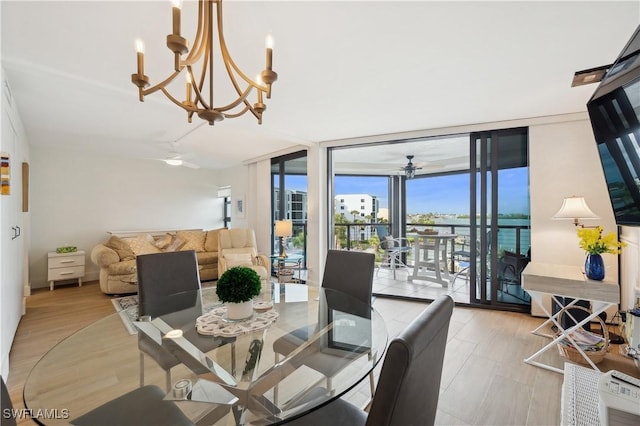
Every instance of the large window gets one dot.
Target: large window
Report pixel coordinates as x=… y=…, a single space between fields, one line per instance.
x=289 y=201
x=472 y=185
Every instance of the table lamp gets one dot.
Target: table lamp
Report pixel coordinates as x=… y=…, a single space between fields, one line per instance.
x=575 y=208
x=283 y=229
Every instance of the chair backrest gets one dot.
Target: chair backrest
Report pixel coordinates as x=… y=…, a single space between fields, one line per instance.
x=9 y=419
x=350 y=272
x=237 y=240
x=161 y=275
x=409 y=384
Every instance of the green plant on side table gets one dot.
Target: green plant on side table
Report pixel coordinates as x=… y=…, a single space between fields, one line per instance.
x=236 y=287
x=67 y=249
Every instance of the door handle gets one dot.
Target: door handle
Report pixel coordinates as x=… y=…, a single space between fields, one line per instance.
x=16 y=232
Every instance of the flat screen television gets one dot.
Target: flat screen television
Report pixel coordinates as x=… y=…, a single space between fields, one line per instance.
x=614 y=111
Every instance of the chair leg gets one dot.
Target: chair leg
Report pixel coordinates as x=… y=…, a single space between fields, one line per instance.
x=141 y=369
x=233 y=358
x=275 y=388
x=168 y=380
x=372 y=384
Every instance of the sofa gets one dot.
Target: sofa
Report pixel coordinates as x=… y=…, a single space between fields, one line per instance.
x=116 y=257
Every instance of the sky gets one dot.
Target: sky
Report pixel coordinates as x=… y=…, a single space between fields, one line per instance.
x=443 y=194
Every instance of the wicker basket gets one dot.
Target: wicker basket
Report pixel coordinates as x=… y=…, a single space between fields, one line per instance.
x=572 y=354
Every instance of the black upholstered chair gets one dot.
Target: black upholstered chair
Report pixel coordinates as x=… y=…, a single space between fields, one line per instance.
x=349 y=272
x=409 y=385
x=6 y=420
x=167 y=288
x=142 y=406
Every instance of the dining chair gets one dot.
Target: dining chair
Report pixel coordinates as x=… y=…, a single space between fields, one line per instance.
x=168 y=285
x=6 y=420
x=141 y=406
x=409 y=384
x=349 y=272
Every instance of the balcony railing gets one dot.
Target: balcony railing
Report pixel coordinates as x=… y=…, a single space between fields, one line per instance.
x=359 y=236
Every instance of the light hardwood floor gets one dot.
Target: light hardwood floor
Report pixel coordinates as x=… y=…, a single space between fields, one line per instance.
x=484 y=381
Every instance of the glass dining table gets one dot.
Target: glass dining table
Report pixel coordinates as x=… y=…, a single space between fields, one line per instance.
x=240 y=381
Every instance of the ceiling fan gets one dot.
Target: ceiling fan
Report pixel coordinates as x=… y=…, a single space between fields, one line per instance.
x=410 y=168
x=174 y=158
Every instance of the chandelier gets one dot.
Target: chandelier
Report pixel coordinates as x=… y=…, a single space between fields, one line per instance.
x=197 y=100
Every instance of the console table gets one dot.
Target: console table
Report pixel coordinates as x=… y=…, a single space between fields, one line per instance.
x=539 y=279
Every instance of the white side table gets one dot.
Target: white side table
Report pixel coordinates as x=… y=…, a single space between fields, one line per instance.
x=64 y=266
x=539 y=279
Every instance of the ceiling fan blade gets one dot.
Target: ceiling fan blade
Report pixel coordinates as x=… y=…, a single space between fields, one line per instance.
x=190 y=165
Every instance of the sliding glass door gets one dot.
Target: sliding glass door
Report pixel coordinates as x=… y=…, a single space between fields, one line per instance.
x=499 y=217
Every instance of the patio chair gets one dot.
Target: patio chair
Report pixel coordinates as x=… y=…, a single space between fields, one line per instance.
x=394 y=252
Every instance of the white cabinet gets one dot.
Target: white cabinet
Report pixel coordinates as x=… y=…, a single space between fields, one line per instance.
x=65 y=266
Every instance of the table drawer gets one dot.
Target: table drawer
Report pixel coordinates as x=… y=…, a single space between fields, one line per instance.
x=65 y=261
x=66 y=273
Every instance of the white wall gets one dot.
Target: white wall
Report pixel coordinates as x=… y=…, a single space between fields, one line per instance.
x=630 y=273
x=77 y=198
x=13 y=248
x=564 y=161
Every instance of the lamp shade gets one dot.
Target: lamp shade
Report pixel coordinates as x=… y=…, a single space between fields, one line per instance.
x=575 y=208
x=284 y=228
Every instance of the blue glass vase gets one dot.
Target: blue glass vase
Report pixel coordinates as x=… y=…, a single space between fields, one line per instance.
x=594 y=267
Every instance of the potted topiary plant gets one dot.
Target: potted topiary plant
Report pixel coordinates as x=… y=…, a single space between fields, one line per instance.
x=236 y=287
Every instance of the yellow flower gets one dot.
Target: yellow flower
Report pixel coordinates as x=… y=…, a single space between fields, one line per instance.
x=593 y=242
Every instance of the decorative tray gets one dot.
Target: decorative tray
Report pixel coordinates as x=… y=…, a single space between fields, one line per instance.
x=214 y=323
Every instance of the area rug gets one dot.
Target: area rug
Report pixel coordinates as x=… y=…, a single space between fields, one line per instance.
x=127 y=308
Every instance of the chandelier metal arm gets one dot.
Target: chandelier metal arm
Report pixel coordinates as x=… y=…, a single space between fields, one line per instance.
x=177 y=102
x=227 y=56
x=161 y=85
x=198 y=46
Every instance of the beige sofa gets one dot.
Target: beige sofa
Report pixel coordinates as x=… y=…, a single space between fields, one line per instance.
x=116 y=257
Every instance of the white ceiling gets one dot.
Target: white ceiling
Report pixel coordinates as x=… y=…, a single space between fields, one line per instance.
x=346 y=69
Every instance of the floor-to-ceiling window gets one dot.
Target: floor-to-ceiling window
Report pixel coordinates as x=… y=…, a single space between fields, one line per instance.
x=289 y=202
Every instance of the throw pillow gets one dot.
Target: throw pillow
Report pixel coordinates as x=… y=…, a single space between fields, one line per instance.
x=121 y=247
x=141 y=245
x=175 y=244
x=194 y=240
x=163 y=241
x=238 y=259
x=211 y=242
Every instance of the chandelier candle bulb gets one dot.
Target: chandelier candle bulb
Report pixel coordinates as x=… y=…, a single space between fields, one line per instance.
x=177 y=4
x=269 y=44
x=140 y=55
